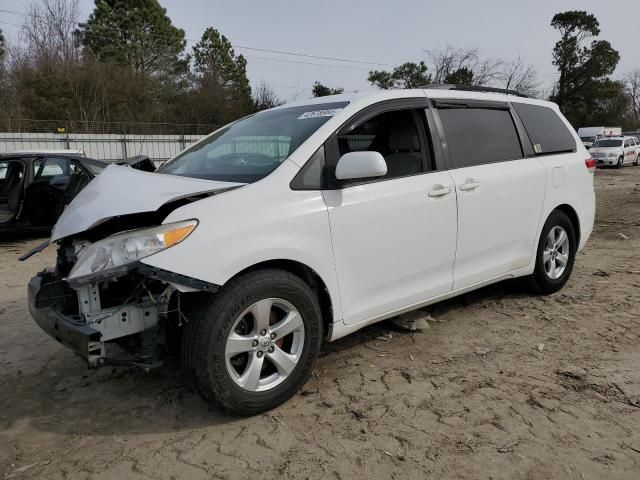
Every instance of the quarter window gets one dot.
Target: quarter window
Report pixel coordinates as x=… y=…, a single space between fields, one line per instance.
x=547 y=131
x=479 y=135
x=394 y=134
x=312 y=175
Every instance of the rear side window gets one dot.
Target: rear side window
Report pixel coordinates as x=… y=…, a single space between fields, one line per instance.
x=480 y=135
x=547 y=131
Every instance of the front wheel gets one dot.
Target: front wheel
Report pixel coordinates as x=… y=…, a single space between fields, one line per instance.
x=556 y=254
x=620 y=162
x=254 y=344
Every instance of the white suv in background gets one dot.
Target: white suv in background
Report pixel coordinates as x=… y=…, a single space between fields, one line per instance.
x=310 y=221
x=618 y=151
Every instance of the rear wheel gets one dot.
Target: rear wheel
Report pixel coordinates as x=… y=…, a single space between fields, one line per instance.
x=253 y=345
x=556 y=254
x=637 y=162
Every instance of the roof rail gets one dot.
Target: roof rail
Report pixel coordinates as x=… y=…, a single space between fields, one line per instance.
x=471 y=88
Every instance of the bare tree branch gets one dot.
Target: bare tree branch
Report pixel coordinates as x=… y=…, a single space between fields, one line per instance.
x=49 y=31
x=632 y=84
x=444 y=63
x=518 y=76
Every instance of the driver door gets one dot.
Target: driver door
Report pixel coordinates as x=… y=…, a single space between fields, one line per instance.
x=394 y=237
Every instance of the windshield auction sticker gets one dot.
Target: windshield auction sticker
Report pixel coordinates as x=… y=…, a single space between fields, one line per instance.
x=319 y=113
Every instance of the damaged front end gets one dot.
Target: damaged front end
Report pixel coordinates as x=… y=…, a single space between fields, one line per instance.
x=101 y=294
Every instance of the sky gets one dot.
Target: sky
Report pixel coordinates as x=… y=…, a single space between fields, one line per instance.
x=384 y=32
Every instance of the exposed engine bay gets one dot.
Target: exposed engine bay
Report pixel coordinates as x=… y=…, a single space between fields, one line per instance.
x=133 y=310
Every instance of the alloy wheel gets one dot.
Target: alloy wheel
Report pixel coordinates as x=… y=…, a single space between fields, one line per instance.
x=556 y=252
x=264 y=344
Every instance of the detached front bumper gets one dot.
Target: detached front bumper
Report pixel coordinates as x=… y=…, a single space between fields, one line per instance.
x=82 y=339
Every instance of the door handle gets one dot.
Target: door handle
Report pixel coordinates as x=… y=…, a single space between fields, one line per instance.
x=439 y=190
x=468 y=185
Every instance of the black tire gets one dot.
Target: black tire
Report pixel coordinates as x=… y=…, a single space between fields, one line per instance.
x=637 y=162
x=540 y=281
x=210 y=321
x=620 y=162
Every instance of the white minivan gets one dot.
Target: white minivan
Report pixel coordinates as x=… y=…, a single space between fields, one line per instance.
x=307 y=222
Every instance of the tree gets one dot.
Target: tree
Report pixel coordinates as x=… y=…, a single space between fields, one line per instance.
x=632 y=84
x=407 y=75
x=462 y=66
x=223 y=73
x=3 y=47
x=462 y=76
x=135 y=33
x=265 y=98
x=320 y=90
x=50 y=32
x=520 y=77
x=609 y=104
x=583 y=63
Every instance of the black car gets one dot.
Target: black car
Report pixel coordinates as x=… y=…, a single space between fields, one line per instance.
x=36 y=186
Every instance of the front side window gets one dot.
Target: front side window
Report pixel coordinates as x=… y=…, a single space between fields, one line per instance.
x=608 y=143
x=253 y=147
x=395 y=135
x=479 y=135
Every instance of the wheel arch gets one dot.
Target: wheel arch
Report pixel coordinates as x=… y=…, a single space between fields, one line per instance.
x=310 y=277
x=570 y=212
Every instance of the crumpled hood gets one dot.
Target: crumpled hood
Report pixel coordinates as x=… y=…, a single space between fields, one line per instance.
x=120 y=191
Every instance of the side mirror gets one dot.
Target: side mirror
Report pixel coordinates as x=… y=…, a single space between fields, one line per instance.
x=354 y=165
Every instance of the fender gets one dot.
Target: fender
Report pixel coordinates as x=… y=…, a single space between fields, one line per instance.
x=255 y=224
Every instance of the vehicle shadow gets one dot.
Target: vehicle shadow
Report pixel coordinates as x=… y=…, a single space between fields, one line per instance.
x=57 y=393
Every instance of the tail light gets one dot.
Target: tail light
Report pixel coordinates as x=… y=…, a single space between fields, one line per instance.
x=590 y=163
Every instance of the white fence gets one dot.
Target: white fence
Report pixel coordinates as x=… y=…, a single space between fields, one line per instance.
x=108 y=147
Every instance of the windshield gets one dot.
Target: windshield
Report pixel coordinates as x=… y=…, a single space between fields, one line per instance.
x=608 y=143
x=253 y=147
x=588 y=139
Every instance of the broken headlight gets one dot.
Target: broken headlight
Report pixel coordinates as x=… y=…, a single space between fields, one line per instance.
x=112 y=255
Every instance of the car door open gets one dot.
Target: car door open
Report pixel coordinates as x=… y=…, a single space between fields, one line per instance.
x=393 y=235
x=45 y=195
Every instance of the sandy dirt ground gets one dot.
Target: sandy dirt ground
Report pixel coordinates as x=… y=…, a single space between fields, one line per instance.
x=504 y=385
